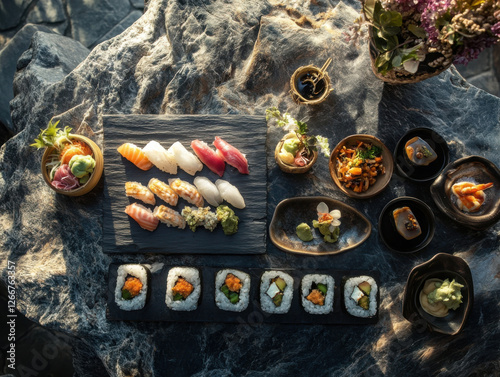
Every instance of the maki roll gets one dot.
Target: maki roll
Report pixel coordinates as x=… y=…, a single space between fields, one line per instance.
x=276 y=292
x=317 y=293
x=360 y=296
x=131 y=286
x=232 y=290
x=183 y=289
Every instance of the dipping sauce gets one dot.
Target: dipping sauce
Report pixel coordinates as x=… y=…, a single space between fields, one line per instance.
x=309 y=86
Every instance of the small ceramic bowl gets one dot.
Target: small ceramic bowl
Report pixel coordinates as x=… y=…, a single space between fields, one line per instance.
x=441 y=266
x=407 y=169
x=480 y=170
x=382 y=180
x=387 y=228
x=94 y=177
x=287 y=168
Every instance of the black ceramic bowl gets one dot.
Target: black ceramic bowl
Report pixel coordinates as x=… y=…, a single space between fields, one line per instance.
x=389 y=234
x=480 y=170
x=441 y=266
x=421 y=173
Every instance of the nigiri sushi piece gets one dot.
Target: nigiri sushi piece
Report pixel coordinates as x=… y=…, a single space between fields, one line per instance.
x=160 y=157
x=208 y=190
x=140 y=192
x=231 y=155
x=230 y=193
x=186 y=191
x=143 y=216
x=135 y=155
x=209 y=157
x=169 y=217
x=163 y=191
x=186 y=160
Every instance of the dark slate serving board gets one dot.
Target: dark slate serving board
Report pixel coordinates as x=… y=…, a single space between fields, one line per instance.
x=207 y=311
x=121 y=234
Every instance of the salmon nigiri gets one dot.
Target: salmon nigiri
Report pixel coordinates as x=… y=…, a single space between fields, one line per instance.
x=143 y=216
x=135 y=155
x=231 y=155
x=209 y=157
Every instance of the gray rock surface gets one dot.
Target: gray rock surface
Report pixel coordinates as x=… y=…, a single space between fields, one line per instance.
x=49 y=11
x=237 y=57
x=8 y=61
x=121 y=26
x=102 y=18
x=11 y=12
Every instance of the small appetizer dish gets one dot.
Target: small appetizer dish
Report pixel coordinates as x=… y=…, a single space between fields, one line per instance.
x=317 y=226
x=310 y=85
x=361 y=166
x=440 y=292
x=421 y=154
x=468 y=191
x=71 y=165
x=360 y=296
x=406 y=225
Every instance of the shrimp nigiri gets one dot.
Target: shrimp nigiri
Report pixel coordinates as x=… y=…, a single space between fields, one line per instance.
x=209 y=157
x=230 y=193
x=135 y=155
x=163 y=191
x=143 y=216
x=231 y=155
x=209 y=191
x=186 y=191
x=186 y=160
x=160 y=157
x=140 y=192
x=169 y=217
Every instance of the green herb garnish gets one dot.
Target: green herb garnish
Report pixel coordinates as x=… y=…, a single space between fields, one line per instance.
x=126 y=295
x=369 y=154
x=52 y=136
x=178 y=297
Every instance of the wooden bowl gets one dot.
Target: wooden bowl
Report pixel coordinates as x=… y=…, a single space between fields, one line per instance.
x=287 y=168
x=297 y=97
x=382 y=181
x=94 y=177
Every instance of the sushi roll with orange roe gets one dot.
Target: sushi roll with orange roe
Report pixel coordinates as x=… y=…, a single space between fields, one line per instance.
x=132 y=282
x=135 y=155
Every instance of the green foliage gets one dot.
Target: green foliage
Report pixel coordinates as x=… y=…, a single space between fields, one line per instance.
x=52 y=136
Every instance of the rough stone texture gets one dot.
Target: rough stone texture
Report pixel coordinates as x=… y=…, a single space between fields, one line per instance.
x=101 y=18
x=139 y=4
x=11 y=12
x=47 y=11
x=486 y=81
x=121 y=26
x=8 y=61
x=237 y=57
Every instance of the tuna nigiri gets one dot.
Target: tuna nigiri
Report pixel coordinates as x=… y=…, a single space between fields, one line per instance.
x=230 y=193
x=143 y=216
x=209 y=191
x=231 y=155
x=186 y=160
x=163 y=191
x=135 y=155
x=169 y=217
x=140 y=192
x=186 y=191
x=160 y=157
x=209 y=157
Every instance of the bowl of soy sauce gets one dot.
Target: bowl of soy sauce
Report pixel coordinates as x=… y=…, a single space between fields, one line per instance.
x=310 y=85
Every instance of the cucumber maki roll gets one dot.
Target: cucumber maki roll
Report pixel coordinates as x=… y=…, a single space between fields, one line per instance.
x=360 y=296
x=132 y=284
x=183 y=289
x=317 y=293
x=232 y=290
x=276 y=292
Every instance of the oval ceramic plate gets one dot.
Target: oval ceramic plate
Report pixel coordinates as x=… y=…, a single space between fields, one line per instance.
x=469 y=168
x=421 y=173
x=382 y=181
x=389 y=234
x=354 y=229
x=442 y=266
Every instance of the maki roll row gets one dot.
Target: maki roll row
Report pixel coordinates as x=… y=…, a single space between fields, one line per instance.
x=232 y=291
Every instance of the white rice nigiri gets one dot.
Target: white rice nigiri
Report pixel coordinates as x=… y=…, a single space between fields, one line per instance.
x=186 y=160
x=230 y=193
x=208 y=190
x=160 y=157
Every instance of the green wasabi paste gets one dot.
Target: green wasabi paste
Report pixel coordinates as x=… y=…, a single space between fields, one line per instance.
x=304 y=232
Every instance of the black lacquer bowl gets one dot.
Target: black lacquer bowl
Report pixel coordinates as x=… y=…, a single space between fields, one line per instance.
x=480 y=170
x=441 y=266
x=416 y=173
x=389 y=234
x=354 y=229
